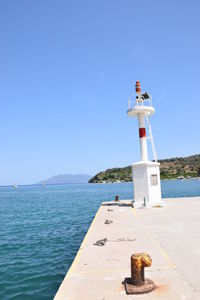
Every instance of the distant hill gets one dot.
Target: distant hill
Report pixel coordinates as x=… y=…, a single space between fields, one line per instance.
x=66 y=178
x=169 y=168
x=113 y=175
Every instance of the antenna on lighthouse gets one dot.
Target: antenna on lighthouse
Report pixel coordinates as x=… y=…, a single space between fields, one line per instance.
x=146 y=174
x=151 y=139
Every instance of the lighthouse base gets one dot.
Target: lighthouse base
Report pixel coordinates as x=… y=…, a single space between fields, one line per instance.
x=146 y=180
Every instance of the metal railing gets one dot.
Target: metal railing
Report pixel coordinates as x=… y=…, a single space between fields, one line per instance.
x=139 y=102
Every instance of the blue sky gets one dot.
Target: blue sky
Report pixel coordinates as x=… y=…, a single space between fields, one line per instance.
x=67 y=69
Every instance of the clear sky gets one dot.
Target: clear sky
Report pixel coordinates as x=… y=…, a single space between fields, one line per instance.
x=67 y=69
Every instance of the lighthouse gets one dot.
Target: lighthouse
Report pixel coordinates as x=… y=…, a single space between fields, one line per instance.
x=146 y=173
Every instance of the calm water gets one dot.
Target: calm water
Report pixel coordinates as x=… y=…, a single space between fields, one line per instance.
x=41 y=229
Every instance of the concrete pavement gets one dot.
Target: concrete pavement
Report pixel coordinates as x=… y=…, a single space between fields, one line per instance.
x=170 y=234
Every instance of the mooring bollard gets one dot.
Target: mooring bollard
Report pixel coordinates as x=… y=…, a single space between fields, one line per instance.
x=137 y=284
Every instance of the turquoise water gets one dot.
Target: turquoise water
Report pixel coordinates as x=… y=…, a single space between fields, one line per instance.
x=41 y=229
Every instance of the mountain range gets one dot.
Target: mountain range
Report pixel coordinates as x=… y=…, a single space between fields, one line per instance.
x=67 y=178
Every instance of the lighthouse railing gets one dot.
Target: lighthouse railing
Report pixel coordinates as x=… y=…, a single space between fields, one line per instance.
x=139 y=102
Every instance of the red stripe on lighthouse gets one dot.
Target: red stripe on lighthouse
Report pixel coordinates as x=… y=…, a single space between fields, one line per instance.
x=142 y=132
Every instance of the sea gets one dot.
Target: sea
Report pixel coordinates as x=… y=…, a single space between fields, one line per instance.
x=41 y=229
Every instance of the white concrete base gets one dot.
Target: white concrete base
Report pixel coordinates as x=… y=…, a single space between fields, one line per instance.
x=146 y=179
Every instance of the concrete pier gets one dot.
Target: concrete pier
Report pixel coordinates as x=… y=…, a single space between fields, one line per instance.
x=170 y=234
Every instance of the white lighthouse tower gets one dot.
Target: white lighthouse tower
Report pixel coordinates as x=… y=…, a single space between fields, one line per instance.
x=146 y=174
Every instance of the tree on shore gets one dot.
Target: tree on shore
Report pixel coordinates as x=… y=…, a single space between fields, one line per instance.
x=198 y=172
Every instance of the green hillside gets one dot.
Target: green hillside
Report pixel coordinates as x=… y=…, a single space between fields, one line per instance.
x=169 y=168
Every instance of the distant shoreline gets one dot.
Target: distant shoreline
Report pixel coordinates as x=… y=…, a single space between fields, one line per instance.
x=62 y=184
x=172 y=168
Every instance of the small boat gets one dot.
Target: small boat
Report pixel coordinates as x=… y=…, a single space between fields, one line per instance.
x=15 y=185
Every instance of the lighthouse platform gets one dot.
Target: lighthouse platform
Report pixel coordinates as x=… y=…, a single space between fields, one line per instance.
x=136 y=110
x=169 y=234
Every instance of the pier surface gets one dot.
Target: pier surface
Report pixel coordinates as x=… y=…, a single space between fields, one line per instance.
x=170 y=234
